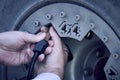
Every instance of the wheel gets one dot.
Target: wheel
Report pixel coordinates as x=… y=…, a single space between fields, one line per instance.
x=89 y=28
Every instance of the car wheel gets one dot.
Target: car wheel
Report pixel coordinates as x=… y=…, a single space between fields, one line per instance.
x=90 y=28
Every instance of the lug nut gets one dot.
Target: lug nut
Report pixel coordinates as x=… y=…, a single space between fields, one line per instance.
x=48 y=17
x=36 y=23
x=77 y=17
x=62 y=14
x=92 y=25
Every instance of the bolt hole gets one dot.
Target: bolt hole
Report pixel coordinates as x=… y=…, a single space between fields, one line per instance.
x=115 y=56
x=92 y=25
x=77 y=17
x=36 y=23
x=105 y=39
x=62 y=14
x=49 y=17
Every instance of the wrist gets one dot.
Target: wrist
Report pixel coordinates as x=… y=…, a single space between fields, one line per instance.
x=58 y=71
x=2 y=56
x=50 y=76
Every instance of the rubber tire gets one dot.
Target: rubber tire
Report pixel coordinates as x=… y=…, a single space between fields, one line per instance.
x=11 y=11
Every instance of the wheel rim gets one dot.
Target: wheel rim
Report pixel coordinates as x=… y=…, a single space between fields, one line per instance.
x=74 y=22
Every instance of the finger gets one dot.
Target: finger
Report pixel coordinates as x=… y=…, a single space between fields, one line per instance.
x=39 y=33
x=33 y=38
x=41 y=57
x=54 y=35
x=30 y=53
x=32 y=46
x=65 y=48
x=66 y=51
x=44 y=29
x=51 y=43
x=48 y=50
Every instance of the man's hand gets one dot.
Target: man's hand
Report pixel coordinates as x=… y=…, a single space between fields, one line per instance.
x=55 y=61
x=16 y=47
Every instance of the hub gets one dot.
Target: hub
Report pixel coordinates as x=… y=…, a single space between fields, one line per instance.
x=90 y=38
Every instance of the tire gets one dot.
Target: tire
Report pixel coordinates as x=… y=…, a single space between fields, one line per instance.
x=12 y=10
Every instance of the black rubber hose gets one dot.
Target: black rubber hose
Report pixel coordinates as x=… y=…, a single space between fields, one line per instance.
x=38 y=49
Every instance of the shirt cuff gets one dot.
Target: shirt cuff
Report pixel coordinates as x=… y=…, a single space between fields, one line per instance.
x=47 y=76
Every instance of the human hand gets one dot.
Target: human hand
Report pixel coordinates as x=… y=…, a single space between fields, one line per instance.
x=55 y=61
x=16 y=47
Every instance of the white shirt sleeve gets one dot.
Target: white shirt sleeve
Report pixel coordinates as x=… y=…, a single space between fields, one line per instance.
x=47 y=76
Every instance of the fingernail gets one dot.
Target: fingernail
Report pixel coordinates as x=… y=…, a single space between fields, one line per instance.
x=52 y=28
x=39 y=33
x=42 y=34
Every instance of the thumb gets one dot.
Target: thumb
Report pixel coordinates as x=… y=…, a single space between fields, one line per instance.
x=54 y=35
x=34 y=38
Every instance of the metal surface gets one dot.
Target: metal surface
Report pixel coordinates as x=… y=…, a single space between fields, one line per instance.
x=84 y=64
x=75 y=22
